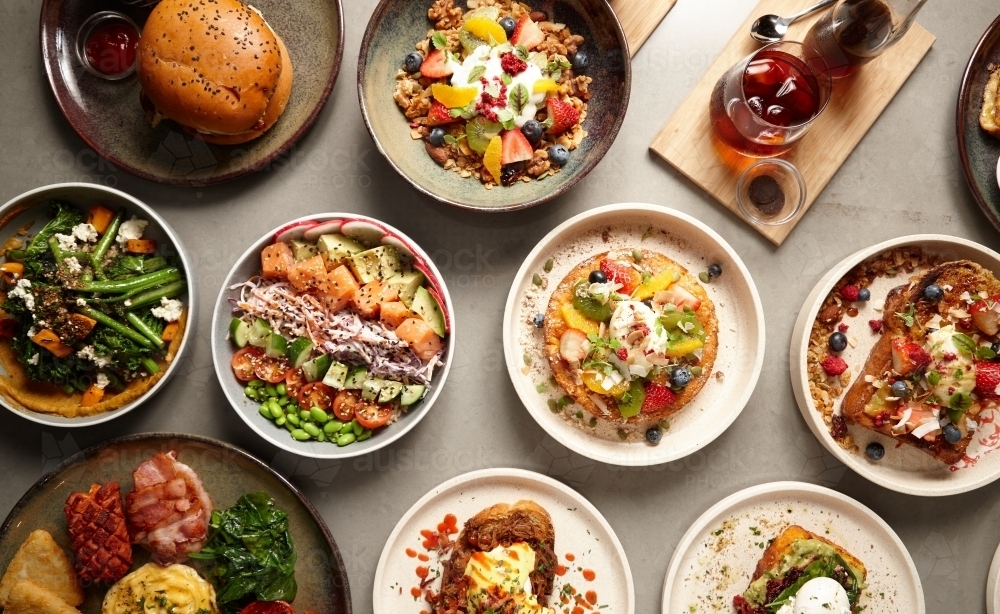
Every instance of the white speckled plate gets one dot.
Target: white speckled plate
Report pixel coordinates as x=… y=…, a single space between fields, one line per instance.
x=580 y=529
x=716 y=557
x=905 y=469
x=688 y=242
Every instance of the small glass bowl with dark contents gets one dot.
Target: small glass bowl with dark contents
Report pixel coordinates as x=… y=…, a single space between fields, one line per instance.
x=770 y=192
x=106 y=45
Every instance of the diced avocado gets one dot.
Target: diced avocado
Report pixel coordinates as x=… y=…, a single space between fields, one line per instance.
x=426 y=306
x=299 y=351
x=336 y=375
x=390 y=390
x=239 y=332
x=371 y=389
x=275 y=346
x=407 y=284
x=302 y=250
x=259 y=332
x=379 y=263
x=412 y=394
x=356 y=378
x=316 y=368
x=337 y=248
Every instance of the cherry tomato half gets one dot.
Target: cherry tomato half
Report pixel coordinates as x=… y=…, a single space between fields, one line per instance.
x=344 y=405
x=268 y=607
x=372 y=416
x=244 y=362
x=294 y=380
x=316 y=394
x=271 y=370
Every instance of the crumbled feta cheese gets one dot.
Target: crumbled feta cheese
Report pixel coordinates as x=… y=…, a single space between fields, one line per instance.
x=21 y=290
x=102 y=381
x=131 y=229
x=32 y=331
x=81 y=302
x=72 y=264
x=67 y=243
x=88 y=353
x=169 y=309
x=34 y=359
x=85 y=233
x=128 y=302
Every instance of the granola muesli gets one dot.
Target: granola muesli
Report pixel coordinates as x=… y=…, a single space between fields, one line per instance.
x=496 y=91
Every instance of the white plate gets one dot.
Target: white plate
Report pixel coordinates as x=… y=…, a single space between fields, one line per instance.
x=580 y=530
x=716 y=557
x=992 y=584
x=905 y=469
x=690 y=243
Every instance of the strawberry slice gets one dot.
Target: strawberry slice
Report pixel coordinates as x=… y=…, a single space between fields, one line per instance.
x=563 y=115
x=907 y=356
x=527 y=33
x=679 y=297
x=986 y=315
x=622 y=274
x=988 y=379
x=658 y=398
x=573 y=345
x=436 y=65
x=516 y=147
x=439 y=115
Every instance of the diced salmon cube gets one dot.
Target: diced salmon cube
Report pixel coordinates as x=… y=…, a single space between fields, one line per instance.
x=394 y=313
x=308 y=274
x=367 y=300
x=338 y=288
x=421 y=338
x=276 y=260
x=389 y=293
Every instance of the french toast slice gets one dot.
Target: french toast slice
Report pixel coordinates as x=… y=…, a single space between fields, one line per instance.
x=958 y=278
x=500 y=525
x=989 y=119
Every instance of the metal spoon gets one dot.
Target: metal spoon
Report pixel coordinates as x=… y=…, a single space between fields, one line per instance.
x=771 y=28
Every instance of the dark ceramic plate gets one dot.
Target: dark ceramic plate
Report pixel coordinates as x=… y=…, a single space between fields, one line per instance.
x=397 y=25
x=980 y=151
x=227 y=473
x=107 y=115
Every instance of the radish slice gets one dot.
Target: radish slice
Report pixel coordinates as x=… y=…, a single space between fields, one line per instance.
x=292 y=231
x=398 y=243
x=323 y=228
x=363 y=232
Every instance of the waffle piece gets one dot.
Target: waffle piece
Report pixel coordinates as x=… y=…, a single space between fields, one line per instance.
x=96 y=523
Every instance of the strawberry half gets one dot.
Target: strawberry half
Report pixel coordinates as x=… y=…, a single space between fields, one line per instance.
x=516 y=147
x=622 y=274
x=439 y=115
x=907 y=356
x=988 y=379
x=679 y=297
x=562 y=114
x=527 y=33
x=658 y=398
x=986 y=315
x=436 y=65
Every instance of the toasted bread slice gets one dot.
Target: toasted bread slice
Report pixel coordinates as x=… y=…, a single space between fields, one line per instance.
x=782 y=545
x=960 y=276
x=44 y=563
x=26 y=597
x=988 y=116
x=500 y=525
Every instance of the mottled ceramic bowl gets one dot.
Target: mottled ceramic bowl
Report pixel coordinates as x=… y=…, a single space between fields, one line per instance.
x=107 y=116
x=33 y=206
x=397 y=25
x=978 y=150
x=369 y=231
x=227 y=473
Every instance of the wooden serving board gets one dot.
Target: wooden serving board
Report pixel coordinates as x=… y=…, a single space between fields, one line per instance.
x=639 y=18
x=689 y=143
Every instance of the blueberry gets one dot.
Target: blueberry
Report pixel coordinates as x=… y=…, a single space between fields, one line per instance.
x=653 y=435
x=838 y=342
x=714 y=270
x=680 y=377
x=933 y=293
x=559 y=155
x=951 y=433
x=864 y=295
x=436 y=137
x=900 y=390
x=532 y=130
x=508 y=24
x=996 y=349
x=875 y=451
x=413 y=61
x=597 y=277
x=579 y=60
x=648 y=303
x=538 y=320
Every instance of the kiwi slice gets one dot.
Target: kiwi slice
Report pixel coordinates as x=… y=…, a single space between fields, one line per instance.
x=631 y=403
x=590 y=306
x=480 y=131
x=469 y=41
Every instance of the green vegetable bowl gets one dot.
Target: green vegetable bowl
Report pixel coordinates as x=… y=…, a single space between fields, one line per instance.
x=32 y=210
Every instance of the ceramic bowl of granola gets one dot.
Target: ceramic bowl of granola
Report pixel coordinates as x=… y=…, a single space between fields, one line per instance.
x=889 y=362
x=493 y=105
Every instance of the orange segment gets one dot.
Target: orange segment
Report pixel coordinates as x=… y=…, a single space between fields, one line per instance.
x=487 y=29
x=545 y=85
x=595 y=381
x=491 y=159
x=453 y=97
x=574 y=319
x=656 y=283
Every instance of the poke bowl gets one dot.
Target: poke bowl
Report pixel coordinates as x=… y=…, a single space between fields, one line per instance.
x=333 y=335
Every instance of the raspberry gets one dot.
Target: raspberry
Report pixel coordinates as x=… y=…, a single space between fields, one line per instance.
x=843 y=328
x=512 y=65
x=622 y=354
x=658 y=398
x=834 y=365
x=850 y=293
x=876 y=325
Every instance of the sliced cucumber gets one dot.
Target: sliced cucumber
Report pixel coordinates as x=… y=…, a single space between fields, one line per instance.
x=336 y=375
x=356 y=378
x=275 y=346
x=390 y=390
x=412 y=394
x=299 y=351
x=407 y=284
x=239 y=332
x=426 y=306
x=259 y=333
x=371 y=389
x=316 y=368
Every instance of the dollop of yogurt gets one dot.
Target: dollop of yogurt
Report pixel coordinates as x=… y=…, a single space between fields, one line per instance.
x=645 y=350
x=492 y=79
x=819 y=596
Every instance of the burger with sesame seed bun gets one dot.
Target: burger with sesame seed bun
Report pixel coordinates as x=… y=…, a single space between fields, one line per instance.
x=215 y=67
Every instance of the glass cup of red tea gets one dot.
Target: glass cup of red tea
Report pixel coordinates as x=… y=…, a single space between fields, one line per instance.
x=769 y=100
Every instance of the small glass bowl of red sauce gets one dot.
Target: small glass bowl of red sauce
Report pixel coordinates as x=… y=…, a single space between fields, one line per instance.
x=107 y=45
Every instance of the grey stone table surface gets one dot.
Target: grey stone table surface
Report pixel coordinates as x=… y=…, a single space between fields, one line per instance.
x=903 y=178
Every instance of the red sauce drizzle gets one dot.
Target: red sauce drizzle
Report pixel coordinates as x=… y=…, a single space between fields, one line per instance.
x=570 y=557
x=410 y=552
x=589 y=575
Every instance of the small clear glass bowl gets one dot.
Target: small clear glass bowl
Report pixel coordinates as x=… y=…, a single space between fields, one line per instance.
x=792 y=185
x=99 y=20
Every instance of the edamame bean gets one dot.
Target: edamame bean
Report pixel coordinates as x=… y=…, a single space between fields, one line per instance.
x=347 y=428
x=321 y=436
x=366 y=434
x=271 y=392
x=311 y=428
x=265 y=410
x=276 y=411
x=305 y=415
x=255 y=383
x=281 y=421
x=250 y=392
x=346 y=439
x=293 y=419
x=288 y=424
x=301 y=435
x=319 y=416
x=280 y=388
x=283 y=401
x=357 y=427
x=333 y=426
